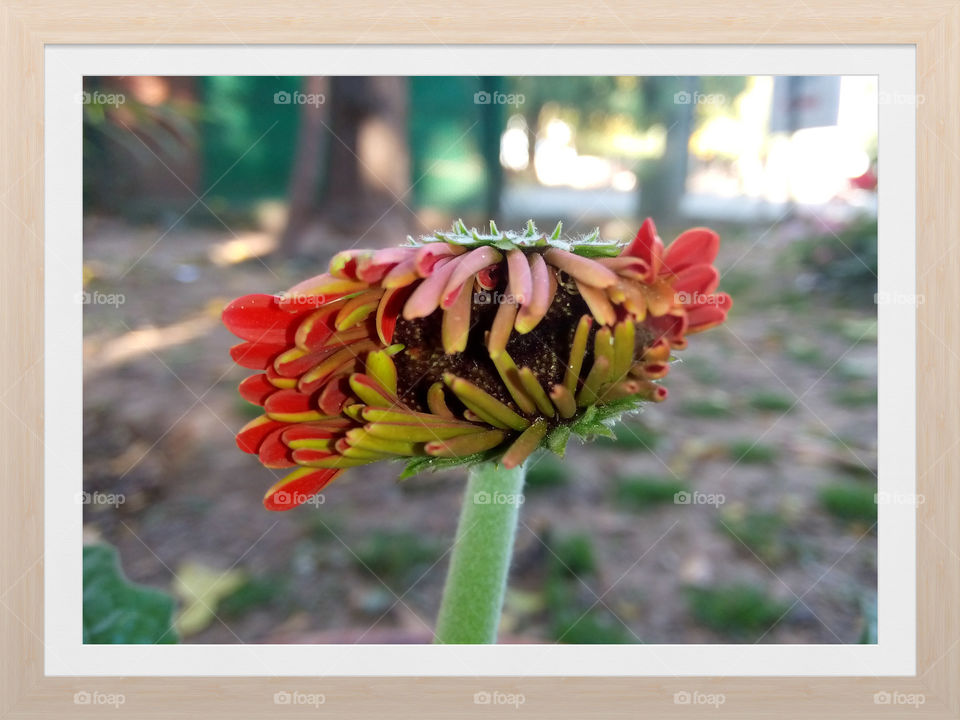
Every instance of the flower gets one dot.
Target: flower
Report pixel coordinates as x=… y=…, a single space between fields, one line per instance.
x=463 y=347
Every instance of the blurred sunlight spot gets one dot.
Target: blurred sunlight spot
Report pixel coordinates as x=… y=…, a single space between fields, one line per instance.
x=242 y=248
x=133 y=344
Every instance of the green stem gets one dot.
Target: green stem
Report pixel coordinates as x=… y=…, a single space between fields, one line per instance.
x=477 y=578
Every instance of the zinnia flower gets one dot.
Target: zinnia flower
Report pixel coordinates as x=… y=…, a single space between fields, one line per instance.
x=464 y=347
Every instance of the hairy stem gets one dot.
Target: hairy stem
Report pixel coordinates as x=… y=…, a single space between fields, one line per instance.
x=477 y=578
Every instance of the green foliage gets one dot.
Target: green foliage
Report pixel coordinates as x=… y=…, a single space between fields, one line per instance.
x=770 y=401
x=644 y=491
x=850 y=501
x=632 y=436
x=396 y=556
x=117 y=611
x=855 y=396
x=594 y=627
x=751 y=452
x=843 y=263
x=712 y=405
x=544 y=471
x=764 y=534
x=255 y=592
x=736 y=610
x=574 y=556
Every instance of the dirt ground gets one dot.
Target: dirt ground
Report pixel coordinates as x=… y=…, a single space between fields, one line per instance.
x=766 y=414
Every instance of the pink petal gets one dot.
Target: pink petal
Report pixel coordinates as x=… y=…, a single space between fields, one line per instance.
x=519 y=283
x=426 y=298
x=472 y=263
x=647 y=246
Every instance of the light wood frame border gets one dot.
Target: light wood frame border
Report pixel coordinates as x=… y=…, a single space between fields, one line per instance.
x=933 y=26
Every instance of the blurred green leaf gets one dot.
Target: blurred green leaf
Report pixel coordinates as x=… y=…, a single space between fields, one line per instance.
x=117 y=611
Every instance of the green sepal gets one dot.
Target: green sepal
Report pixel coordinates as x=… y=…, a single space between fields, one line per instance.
x=429 y=463
x=557 y=440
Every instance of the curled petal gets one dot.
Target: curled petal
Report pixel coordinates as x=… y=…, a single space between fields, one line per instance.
x=524 y=446
x=600 y=306
x=426 y=298
x=583 y=269
x=697 y=246
x=254 y=432
x=318 y=291
x=471 y=263
x=256 y=389
x=519 y=282
x=543 y=287
x=258 y=318
x=647 y=246
x=298 y=487
x=455 y=327
x=695 y=280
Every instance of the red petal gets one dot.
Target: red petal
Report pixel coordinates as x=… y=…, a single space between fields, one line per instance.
x=316 y=327
x=291 y=406
x=253 y=433
x=255 y=356
x=256 y=389
x=334 y=394
x=258 y=318
x=273 y=453
x=697 y=246
x=388 y=310
x=647 y=246
x=696 y=280
x=298 y=487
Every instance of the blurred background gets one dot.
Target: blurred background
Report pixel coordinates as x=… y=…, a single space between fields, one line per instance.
x=740 y=510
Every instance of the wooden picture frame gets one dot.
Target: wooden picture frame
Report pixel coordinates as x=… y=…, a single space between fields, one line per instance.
x=932 y=26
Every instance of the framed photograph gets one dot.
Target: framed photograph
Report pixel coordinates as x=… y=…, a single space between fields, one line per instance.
x=576 y=372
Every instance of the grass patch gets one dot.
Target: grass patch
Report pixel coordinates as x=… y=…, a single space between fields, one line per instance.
x=763 y=533
x=645 y=491
x=396 y=556
x=546 y=471
x=596 y=627
x=804 y=351
x=855 y=396
x=255 y=592
x=573 y=556
x=735 y=610
x=770 y=401
x=751 y=452
x=850 y=501
x=631 y=436
x=713 y=405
